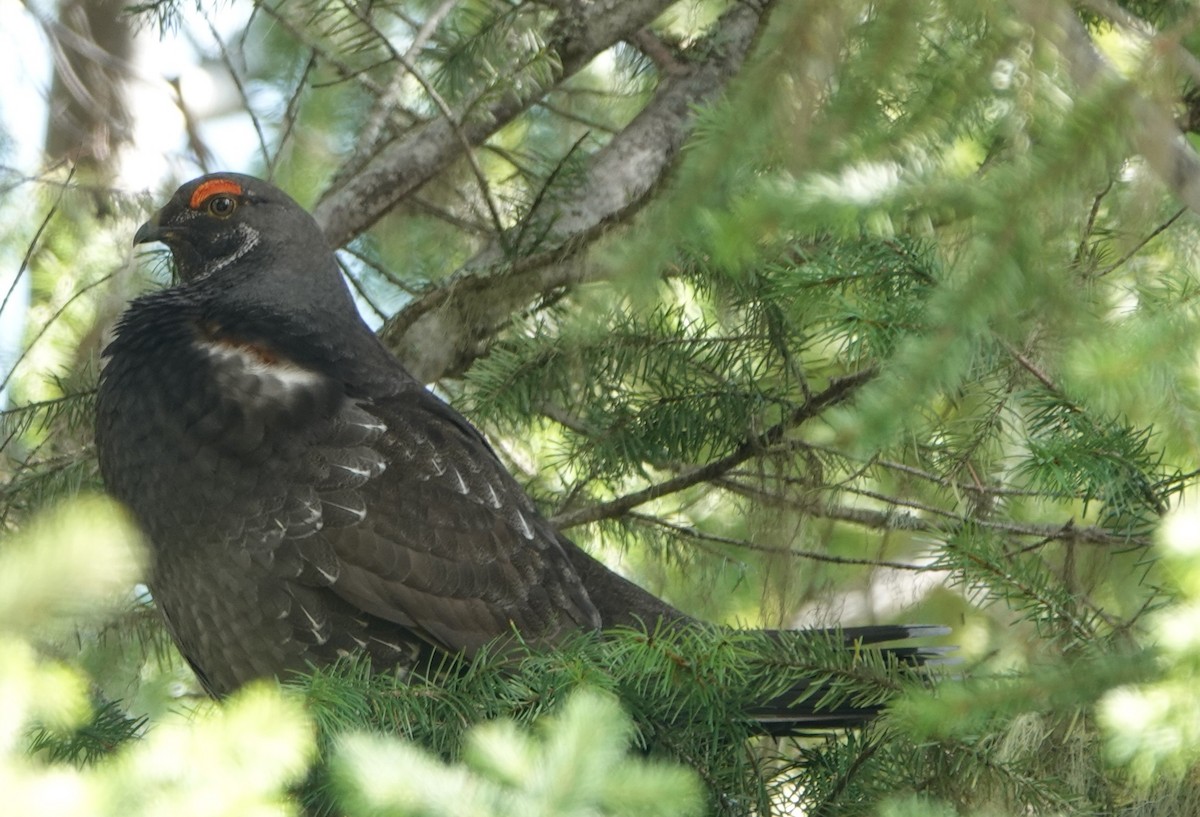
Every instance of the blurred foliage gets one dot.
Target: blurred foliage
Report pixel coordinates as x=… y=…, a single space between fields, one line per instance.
x=57 y=755
x=1154 y=727
x=907 y=330
x=577 y=766
x=692 y=694
x=63 y=754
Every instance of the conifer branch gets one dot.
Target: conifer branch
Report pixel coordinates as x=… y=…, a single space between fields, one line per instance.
x=441 y=333
x=397 y=170
x=468 y=149
x=839 y=391
x=897 y=520
x=300 y=33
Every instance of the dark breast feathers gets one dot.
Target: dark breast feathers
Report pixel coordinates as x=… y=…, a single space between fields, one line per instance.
x=295 y=517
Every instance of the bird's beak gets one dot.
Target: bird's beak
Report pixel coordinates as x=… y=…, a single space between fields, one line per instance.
x=150 y=231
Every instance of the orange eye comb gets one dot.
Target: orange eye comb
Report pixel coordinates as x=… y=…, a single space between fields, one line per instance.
x=210 y=188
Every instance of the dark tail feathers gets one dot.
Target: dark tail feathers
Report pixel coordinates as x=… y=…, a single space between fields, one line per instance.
x=803 y=709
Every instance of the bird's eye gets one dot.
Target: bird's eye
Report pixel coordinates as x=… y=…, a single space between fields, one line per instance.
x=221 y=206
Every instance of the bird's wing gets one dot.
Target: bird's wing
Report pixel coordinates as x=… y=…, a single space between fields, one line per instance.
x=402 y=511
x=448 y=543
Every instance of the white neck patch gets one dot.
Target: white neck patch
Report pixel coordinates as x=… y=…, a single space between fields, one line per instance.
x=250 y=240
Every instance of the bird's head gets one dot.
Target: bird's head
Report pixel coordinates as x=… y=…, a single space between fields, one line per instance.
x=256 y=265
x=216 y=220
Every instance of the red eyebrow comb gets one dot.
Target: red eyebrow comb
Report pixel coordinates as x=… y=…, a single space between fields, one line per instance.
x=211 y=188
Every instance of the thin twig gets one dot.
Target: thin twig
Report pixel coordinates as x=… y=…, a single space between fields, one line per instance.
x=358 y=288
x=693 y=533
x=32 y=246
x=46 y=326
x=579 y=119
x=292 y=112
x=1029 y=366
x=1138 y=247
x=227 y=61
x=1090 y=224
x=382 y=113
